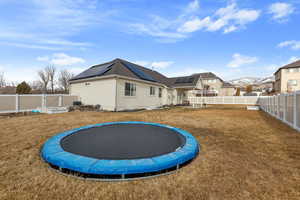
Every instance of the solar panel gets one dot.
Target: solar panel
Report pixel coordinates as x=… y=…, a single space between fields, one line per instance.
x=94 y=71
x=138 y=72
x=185 y=80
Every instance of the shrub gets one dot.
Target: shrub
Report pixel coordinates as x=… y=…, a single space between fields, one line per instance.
x=23 y=88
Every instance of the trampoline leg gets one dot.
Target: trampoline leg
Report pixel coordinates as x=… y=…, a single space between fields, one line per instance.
x=123 y=176
x=177 y=167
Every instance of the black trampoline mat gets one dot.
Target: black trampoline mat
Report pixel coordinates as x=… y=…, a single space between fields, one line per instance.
x=123 y=141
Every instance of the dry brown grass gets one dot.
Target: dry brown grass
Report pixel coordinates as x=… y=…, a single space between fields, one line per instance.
x=245 y=155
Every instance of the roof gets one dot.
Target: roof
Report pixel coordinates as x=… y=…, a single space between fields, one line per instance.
x=184 y=81
x=227 y=85
x=124 y=68
x=295 y=64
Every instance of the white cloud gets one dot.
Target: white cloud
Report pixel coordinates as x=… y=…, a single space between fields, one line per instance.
x=47 y=24
x=230 y=29
x=155 y=31
x=294 y=59
x=274 y=67
x=271 y=67
x=162 y=64
x=194 y=25
x=155 y=64
x=229 y=19
x=19 y=74
x=192 y=6
x=61 y=59
x=280 y=11
x=66 y=43
x=239 y=60
x=31 y=46
x=293 y=44
x=1 y=68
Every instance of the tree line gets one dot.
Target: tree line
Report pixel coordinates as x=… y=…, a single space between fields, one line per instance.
x=50 y=80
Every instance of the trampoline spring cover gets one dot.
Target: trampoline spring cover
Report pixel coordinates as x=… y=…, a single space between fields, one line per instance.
x=53 y=153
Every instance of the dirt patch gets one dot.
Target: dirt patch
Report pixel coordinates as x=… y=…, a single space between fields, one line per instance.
x=244 y=155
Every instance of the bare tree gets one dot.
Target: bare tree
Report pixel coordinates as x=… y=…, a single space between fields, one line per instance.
x=64 y=78
x=51 y=71
x=2 y=80
x=36 y=86
x=44 y=78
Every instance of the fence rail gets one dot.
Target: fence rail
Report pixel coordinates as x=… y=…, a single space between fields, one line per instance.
x=285 y=107
x=251 y=100
x=24 y=103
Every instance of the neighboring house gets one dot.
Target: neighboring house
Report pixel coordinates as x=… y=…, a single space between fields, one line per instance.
x=228 y=89
x=287 y=78
x=122 y=85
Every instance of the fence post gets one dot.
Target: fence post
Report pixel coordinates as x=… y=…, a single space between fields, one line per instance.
x=17 y=103
x=44 y=102
x=284 y=108
x=278 y=106
x=295 y=110
x=60 y=101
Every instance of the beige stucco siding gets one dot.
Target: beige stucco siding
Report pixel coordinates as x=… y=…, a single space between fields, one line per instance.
x=142 y=98
x=281 y=81
x=227 y=92
x=102 y=92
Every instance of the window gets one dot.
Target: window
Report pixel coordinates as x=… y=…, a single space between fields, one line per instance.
x=291 y=70
x=130 y=89
x=292 y=82
x=159 y=92
x=152 y=91
x=212 y=81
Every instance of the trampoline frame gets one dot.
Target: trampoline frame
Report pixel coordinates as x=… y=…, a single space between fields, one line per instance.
x=53 y=154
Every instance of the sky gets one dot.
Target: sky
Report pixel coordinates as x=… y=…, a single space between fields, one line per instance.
x=232 y=38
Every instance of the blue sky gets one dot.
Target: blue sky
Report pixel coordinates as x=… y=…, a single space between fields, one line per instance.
x=233 y=38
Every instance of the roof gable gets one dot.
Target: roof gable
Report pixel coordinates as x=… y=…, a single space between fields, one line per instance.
x=291 y=65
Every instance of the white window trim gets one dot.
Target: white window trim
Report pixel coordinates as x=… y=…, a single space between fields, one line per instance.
x=130 y=90
x=154 y=89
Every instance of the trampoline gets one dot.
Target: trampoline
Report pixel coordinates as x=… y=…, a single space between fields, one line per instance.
x=120 y=150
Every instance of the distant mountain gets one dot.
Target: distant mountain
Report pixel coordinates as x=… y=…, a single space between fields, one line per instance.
x=251 y=81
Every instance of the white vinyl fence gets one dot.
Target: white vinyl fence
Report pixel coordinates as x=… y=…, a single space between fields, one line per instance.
x=25 y=103
x=247 y=100
x=285 y=107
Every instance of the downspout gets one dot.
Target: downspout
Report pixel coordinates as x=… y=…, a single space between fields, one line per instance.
x=116 y=95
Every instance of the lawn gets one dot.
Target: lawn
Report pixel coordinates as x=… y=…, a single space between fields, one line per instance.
x=244 y=155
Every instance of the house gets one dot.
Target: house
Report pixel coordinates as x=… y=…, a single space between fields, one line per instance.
x=122 y=85
x=287 y=78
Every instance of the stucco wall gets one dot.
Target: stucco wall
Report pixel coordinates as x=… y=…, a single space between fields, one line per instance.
x=213 y=86
x=285 y=76
x=227 y=92
x=100 y=92
x=142 y=99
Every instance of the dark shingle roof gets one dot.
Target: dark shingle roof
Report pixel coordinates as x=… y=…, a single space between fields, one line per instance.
x=184 y=81
x=227 y=85
x=120 y=67
x=295 y=64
